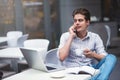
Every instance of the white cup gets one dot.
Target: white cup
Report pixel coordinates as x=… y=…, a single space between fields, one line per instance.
x=79 y=52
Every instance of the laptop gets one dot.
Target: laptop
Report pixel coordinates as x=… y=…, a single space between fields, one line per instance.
x=35 y=60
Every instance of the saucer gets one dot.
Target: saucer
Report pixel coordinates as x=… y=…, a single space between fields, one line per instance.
x=57 y=75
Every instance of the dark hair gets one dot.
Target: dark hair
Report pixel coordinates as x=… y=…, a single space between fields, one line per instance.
x=82 y=11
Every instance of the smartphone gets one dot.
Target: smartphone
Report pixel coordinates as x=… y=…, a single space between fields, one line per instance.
x=75 y=31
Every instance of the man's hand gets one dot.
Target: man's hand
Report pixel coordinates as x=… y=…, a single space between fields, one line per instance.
x=72 y=31
x=89 y=53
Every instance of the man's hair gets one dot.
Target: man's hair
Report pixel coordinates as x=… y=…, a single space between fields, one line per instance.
x=82 y=11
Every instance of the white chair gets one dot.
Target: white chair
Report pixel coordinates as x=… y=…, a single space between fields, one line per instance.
x=109 y=35
x=51 y=57
x=12 y=37
x=103 y=31
x=36 y=44
x=20 y=41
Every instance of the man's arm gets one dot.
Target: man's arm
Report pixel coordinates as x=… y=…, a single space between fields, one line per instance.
x=64 y=51
x=92 y=54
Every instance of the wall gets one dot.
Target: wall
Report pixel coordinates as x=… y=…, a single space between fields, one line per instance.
x=67 y=7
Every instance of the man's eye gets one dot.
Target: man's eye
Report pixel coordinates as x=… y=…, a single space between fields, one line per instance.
x=79 y=20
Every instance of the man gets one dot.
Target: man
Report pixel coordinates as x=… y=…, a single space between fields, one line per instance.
x=80 y=39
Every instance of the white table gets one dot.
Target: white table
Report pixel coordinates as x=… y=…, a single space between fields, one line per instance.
x=13 y=54
x=32 y=74
x=3 y=39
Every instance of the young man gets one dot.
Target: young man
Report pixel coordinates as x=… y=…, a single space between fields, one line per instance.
x=79 y=47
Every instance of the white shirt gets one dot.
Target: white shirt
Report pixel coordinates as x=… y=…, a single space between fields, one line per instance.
x=92 y=41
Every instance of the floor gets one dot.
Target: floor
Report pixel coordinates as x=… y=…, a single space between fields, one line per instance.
x=115 y=75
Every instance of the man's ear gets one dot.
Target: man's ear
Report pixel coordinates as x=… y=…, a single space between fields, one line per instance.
x=88 y=22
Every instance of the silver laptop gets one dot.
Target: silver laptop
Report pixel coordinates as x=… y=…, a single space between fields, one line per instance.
x=35 y=60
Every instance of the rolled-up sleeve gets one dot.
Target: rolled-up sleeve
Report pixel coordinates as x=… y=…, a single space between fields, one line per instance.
x=100 y=49
x=63 y=40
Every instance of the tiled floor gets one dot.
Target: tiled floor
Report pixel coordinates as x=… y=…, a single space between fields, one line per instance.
x=116 y=72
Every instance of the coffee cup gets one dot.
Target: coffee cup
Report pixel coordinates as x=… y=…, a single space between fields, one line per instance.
x=79 y=52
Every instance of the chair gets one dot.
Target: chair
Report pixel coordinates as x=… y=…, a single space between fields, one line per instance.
x=36 y=43
x=12 y=37
x=51 y=57
x=103 y=31
x=106 y=65
x=20 y=41
x=109 y=35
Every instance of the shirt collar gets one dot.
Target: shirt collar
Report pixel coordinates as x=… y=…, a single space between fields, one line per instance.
x=86 y=37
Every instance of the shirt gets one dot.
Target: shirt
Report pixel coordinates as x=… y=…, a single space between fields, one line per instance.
x=76 y=58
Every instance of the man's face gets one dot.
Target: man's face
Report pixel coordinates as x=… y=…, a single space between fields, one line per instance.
x=80 y=23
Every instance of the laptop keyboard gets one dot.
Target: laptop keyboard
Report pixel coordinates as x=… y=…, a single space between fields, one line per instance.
x=50 y=68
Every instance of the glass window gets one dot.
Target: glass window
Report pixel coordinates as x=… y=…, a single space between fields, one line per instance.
x=7 y=16
x=33 y=18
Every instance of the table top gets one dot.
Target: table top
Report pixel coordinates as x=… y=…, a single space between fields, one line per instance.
x=11 y=53
x=3 y=39
x=32 y=74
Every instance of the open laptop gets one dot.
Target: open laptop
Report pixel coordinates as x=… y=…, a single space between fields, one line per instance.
x=35 y=60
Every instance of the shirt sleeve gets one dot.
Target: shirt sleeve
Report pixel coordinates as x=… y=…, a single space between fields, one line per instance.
x=99 y=47
x=63 y=40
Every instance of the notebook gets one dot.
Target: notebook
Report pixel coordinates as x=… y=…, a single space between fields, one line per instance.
x=35 y=60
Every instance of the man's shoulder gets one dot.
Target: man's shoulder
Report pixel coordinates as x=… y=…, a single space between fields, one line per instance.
x=66 y=33
x=93 y=34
